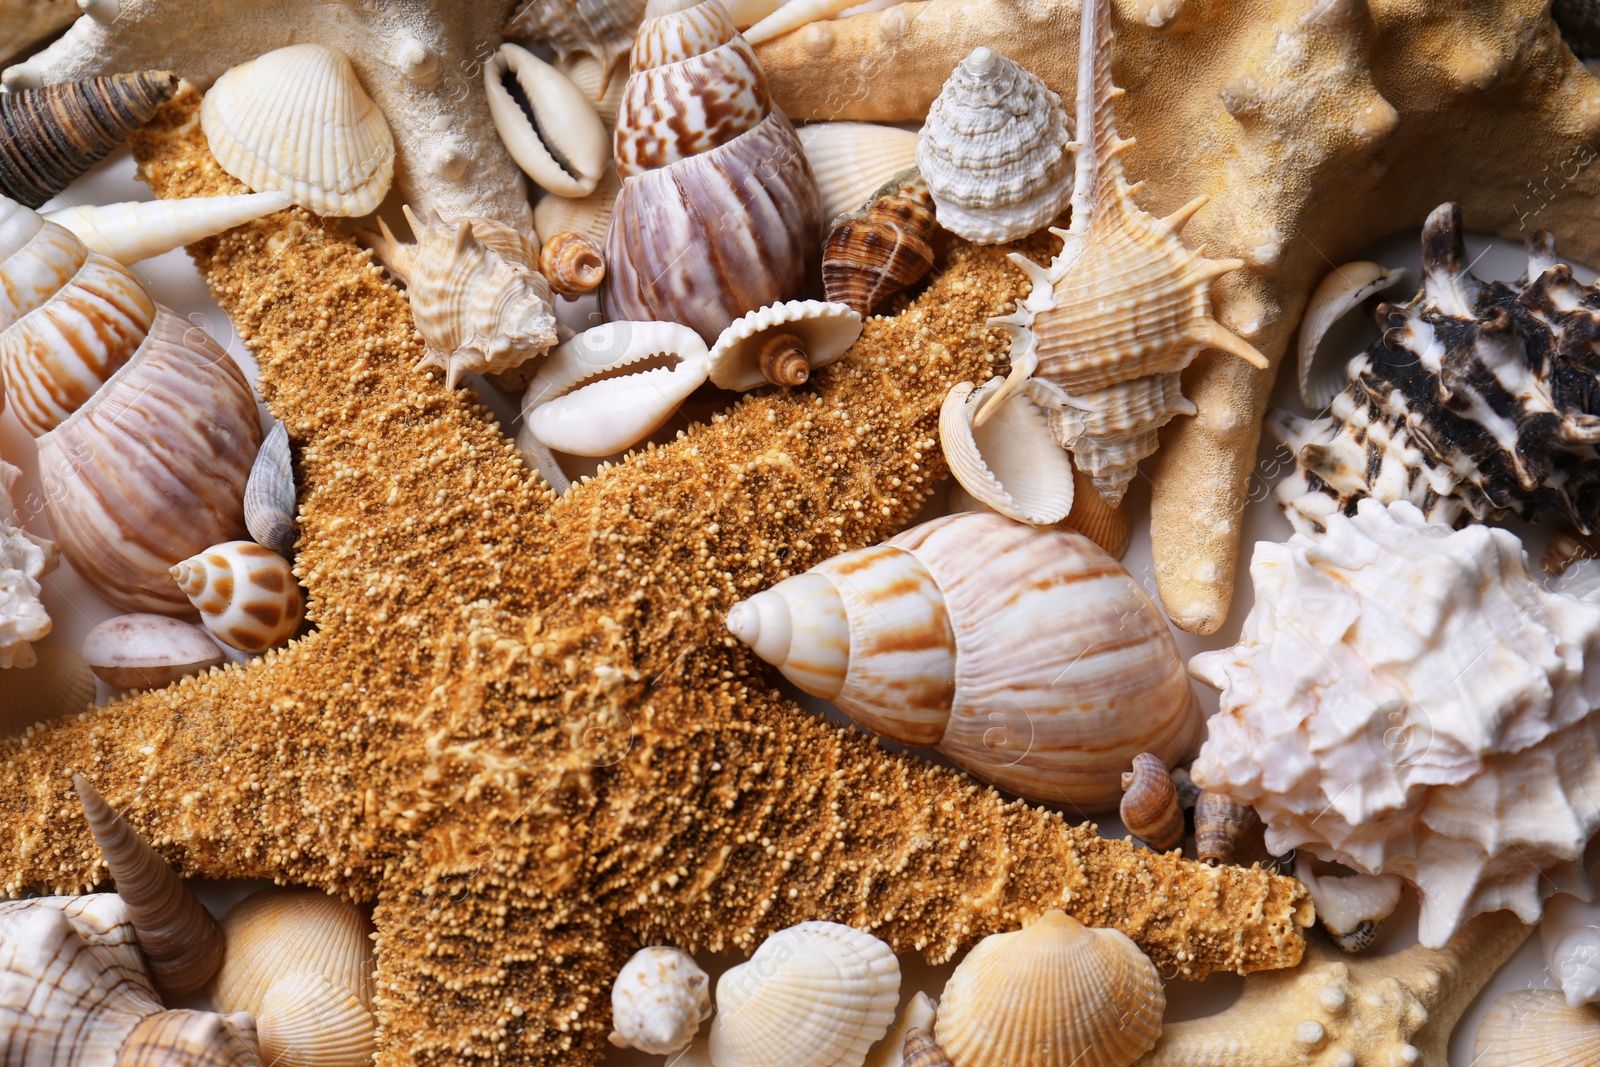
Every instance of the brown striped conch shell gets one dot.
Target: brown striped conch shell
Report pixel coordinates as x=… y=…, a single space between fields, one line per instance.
x=1150 y=808
x=854 y=160
x=548 y=124
x=998 y=628
x=1534 y=1026
x=130 y=232
x=180 y=939
x=57 y=684
x=247 y=595
x=144 y=651
x=782 y=344
x=881 y=249
x=572 y=263
x=1053 y=994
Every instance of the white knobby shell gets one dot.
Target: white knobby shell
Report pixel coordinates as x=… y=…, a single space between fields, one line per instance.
x=852 y=160
x=1012 y=462
x=298 y=120
x=132 y=231
x=549 y=125
x=269 y=495
x=658 y=1001
x=144 y=651
x=821 y=992
x=822 y=332
x=247 y=595
x=1569 y=936
x=1534 y=1026
x=57 y=684
x=1053 y=994
x=994 y=151
x=1351 y=906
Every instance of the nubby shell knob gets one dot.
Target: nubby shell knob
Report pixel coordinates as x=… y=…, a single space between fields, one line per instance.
x=246 y=594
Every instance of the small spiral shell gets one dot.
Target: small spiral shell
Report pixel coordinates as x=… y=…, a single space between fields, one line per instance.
x=882 y=249
x=573 y=264
x=1150 y=806
x=1222 y=828
x=922 y=1051
x=246 y=594
x=269 y=495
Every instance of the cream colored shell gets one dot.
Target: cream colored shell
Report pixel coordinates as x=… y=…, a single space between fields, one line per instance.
x=824 y=331
x=24 y=559
x=133 y=231
x=1012 y=462
x=659 y=1000
x=144 y=651
x=1535 y=1027
x=852 y=160
x=1053 y=994
x=1341 y=291
x=298 y=120
x=1351 y=907
x=915 y=1014
x=247 y=595
x=1569 y=936
x=551 y=128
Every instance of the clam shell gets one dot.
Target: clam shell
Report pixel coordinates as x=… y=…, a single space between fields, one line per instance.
x=1054 y=994
x=1012 y=462
x=573 y=264
x=1343 y=289
x=269 y=495
x=658 y=1001
x=824 y=333
x=129 y=232
x=548 y=124
x=1350 y=907
x=280 y=932
x=298 y=120
x=247 y=595
x=820 y=991
x=143 y=651
x=882 y=249
x=57 y=685
x=589 y=215
x=1534 y=1026
x=306 y=1020
x=1150 y=808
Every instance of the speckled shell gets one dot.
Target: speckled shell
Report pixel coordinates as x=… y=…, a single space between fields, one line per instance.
x=707 y=164
x=820 y=991
x=823 y=333
x=152 y=468
x=659 y=1000
x=1054 y=994
x=143 y=651
x=1534 y=1026
x=246 y=594
x=853 y=161
x=881 y=249
x=297 y=119
x=59 y=683
x=547 y=123
x=994 y=151
x=1149 y=807
x=1015 y=651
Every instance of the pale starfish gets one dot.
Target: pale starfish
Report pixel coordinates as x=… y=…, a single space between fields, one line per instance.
x=421 y=60
x=1338 y=1010
x=522 y=728
x=1315 y=126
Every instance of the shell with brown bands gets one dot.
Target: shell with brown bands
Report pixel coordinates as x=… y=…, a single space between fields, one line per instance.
x=1224 y=830
x=573 y=264
x=921 y=1050
x=884 y=248
x=1150 y=807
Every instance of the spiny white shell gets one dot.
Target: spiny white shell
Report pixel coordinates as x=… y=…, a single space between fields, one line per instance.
x=269 y=496
x=821 y=992
x=994 y=151
x=58 y=684
x=1405 y=700
x=1054 y=994
x=563 y=147
x=1350 y=906
x=1012 y=462
x=1570 y=938
x=247 y=596
x=1343 y=289
x=298 y=120
x=143 y=651
x=307 y=1020
x=852 y=160
x=825 y=330
x=132 y=231
x=1533 y=1028
x=659 y=1000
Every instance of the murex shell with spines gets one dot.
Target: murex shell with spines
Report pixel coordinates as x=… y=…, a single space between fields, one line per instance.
x=1480 y=400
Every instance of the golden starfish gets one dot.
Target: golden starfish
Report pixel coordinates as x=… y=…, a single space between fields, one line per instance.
x=1315 y=126
x=521 y=727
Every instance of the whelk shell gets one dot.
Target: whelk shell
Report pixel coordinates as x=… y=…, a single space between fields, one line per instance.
x=921 y=1050
x=1534 y=1026
x=659 y=1000
x=853 y=161
x=269 y=496
x=821 y=991
x=143 y=651
x=132 y=231
x=782 y=344
x=1053 y=994
x=1012 y=462
x=572 y=263
x=58 y=684
x=882 y=249
x=547 y=123
x=1150 y=808
x=246 y=594
x=298 y=120
x=1351 y=907
x=1223 y=828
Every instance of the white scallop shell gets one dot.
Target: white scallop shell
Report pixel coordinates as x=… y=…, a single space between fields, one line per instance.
x=298 y=120
x=852 y=160
x=821 y=992
x=1343 y=289
x=1012 y=462
x=307 y=1020
x=132 y=231
x=659 y=1000
x=1533 y=1027
x=1569 y=935
x=143 y=651
x=994 y=151
x=826 y=331
x=246 y=594
x=559 y=141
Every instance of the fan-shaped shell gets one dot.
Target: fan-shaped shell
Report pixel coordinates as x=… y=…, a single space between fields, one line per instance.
x=1054 y=994
x=309 y=1021
x=246 y=594
x=659 y=1000
x=269 y=496
x=820 y=991
x=58 y=684
x=1012 y=462
x=144 y=651
x=883 y=248
x=782 y=344
x=589 y=215
x=548 y=124
x=1534 y=1026
x=853 y=160
x=297 y=119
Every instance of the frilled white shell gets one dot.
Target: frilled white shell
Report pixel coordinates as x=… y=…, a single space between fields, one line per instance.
x=819 y=991
x=24 y=559
x=659 y=1000
x=1012 y=462
x=298 y=120
x=144 y=651
x=852 y=160
x=1533 y=1028
x=1352 y=906
x=548 y=124
x=824 y=332
x=247 y=595
x=1569 y=935
x=994 y=151
x=133 y=231
x=1405 y=700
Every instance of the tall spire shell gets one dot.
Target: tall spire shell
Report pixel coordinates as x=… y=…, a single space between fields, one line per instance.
x=51 y=135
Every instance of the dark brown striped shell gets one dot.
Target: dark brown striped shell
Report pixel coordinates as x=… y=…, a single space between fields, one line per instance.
x=1224 y=830
x=49 y=136
x=1150 y=807
x=884 y=248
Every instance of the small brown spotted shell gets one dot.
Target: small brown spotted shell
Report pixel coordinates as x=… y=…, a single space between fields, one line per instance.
x=882 y=249
x=246 y=594
x=1150 y=806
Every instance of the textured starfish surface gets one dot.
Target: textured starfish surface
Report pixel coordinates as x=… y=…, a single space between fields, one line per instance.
x=1316 y=126
x=521 y=727
x=421 y=60
x=1336 y=1009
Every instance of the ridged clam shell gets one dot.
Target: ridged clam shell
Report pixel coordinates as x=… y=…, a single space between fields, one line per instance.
x=852 y=160
x=57 y=685
x=1343 y=289
x=548 y=124
x=1012 y=462
x=1534 y=1026
x=269 y=495
x=1053 y=994
x=572 y=263
x=152 y=468
x=247 y=595
x=280 y=932
x=994 y=151
x=824 y=332
x=600 y=29
x=297 y=119
x=1351 y=907
x=144 y=651
x=659 y=1000
x=132 y=231
x=191 y=1039
x=820 y=991
x=589 y=215
x=306 y=1020
x=882 y=249
x=1150 y=808
x=49 y=136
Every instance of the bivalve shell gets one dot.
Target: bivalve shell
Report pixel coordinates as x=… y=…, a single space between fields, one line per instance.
x=782 y=344
x=246 y=594
x=309 y=1021
x=548 y=124
x=853 y=160
x=1534 y=1026
x=589 y=215
x=144 y=651
x=1011 y=463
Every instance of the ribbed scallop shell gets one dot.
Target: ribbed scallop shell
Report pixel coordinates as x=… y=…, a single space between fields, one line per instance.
x=57 y=685
x=548 y=124
x=994 y=151
x=1150 y=808
x=298 y=120
x=269 y=496
x=589 y=215
x=821 y=992
x=659 y=1000
x=247 y=595
x=309 y=1021
x=1054 y=994
x=853 y=160
x=143 y=651
x=153 y=467
x=883 y=248
x=1534 y=1026
x=817 y=333
x=1011 y=463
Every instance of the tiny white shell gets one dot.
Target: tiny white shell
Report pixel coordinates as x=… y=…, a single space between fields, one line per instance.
x=659 y=1000
x=246 y=594
x=824 y=332
x=553 y=131
x=852 y=160
x=144 y=651
x=297 y=119
x=1012 y=462
x=132 y=231
x=1344 y=288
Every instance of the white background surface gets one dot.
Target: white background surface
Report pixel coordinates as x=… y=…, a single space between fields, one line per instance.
x=172 y=278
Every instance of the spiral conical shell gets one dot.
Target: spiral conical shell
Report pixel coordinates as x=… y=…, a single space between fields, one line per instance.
x=659 y=1000
x=1223 y=828
x=135 y=230
x=1054 y=994
x=247 y=595
x=269 y=495
x=1150 y=808
x=573 y=264
x=876 y=252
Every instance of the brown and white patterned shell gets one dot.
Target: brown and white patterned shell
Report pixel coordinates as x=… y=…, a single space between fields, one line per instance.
x=246 y=594
x=572 y=263
x=884 y=248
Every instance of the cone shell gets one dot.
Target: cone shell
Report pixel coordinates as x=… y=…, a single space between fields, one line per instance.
x=1534 y=1026
x=277 y=933
x=548 y=124
x=269 y=496
x=1150 y=808
x=246 y=594
x=306 y=1020
x=51 y=135
x=659 y=1000
x=572 y=263
x=132 y=231
x=298 y=120
x=57 y=685
x=1011 y=463
x=820 y=991
x=144 y=651
x=1054 y=994
x=881 y=249
x=823 y=333
x=853 y=161
x=152 y=468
